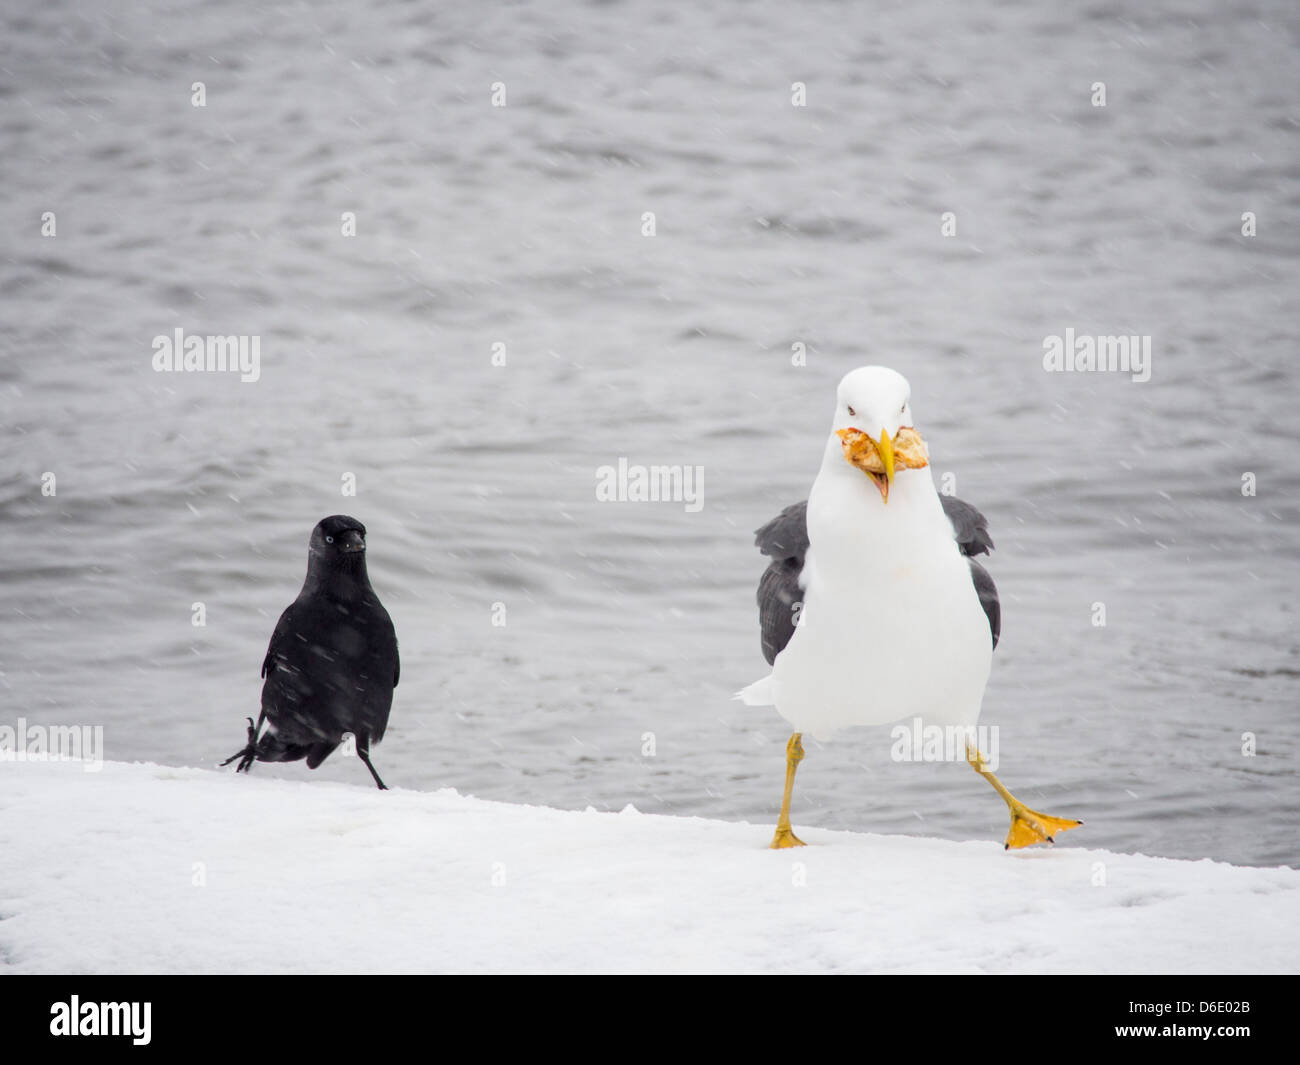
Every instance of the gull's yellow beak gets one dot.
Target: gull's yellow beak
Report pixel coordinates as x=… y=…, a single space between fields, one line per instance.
x=886 y=448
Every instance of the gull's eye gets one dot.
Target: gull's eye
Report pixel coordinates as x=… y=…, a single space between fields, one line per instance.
x=329 y=539
x=852 y=413
x=903 y=408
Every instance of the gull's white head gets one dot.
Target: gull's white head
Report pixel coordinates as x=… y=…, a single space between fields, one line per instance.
x=873 y=399
x=872 y=406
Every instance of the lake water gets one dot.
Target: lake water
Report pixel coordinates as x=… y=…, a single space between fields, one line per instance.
x=775 y=226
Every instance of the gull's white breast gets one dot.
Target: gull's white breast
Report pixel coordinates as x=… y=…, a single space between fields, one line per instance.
x=891 y=626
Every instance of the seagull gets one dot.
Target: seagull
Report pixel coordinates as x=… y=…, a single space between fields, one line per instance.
x=873 y=608
x=332 y=663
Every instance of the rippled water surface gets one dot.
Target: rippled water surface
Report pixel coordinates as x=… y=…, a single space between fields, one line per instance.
x=776 y=225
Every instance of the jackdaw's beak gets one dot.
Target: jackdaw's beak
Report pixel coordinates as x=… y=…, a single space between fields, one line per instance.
x=351 y=541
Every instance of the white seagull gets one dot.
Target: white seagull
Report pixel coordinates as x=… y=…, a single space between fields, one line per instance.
x=872 y=609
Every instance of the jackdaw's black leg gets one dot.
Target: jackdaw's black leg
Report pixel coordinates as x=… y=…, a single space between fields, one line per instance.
x=249 y=754
x=363 y=752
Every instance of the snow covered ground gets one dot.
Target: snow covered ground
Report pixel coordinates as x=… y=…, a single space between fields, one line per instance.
x=141 y=868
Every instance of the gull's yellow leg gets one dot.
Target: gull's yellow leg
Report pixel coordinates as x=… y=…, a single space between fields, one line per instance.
x=1027 y=826
x=785 y=836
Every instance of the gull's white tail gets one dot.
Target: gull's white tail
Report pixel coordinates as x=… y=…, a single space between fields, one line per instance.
x=757 y=694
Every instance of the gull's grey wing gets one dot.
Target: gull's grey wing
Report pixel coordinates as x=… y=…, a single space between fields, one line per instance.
x=786 y=535
x=779 y=596
x=971 y=529
x=784 y=540
x=988 y=593
x=969 y=525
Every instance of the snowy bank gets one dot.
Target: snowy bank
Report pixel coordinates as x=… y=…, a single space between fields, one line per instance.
x=140 y=868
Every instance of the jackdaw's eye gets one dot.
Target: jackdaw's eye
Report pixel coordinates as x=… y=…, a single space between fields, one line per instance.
x=329 y=539
x=852 y=413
